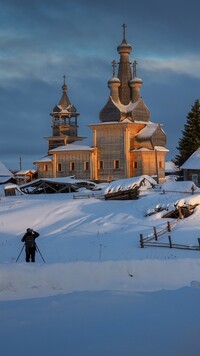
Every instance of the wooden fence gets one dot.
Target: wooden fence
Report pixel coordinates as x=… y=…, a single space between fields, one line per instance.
x=88 y=196
x=170 y=244
x=152 y=239
x=157 y=233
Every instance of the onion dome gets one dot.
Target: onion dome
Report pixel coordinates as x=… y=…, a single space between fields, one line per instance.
x=136 y=80
x=113 y=80
x=124 y=47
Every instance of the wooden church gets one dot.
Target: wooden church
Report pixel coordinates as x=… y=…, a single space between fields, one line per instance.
x=125 y=142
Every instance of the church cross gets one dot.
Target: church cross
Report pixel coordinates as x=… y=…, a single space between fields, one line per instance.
x=114 y=67
x=134 y=69
x=124 y=31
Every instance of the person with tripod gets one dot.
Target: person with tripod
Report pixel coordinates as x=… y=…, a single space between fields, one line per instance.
x=29 y=240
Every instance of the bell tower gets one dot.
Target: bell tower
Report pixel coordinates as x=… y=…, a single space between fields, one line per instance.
x=64 y=122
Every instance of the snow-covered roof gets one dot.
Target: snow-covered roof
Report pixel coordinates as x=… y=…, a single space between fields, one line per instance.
x=136 y=80
x=125 y=121
x=193 y=200
x=193 y=162
x=4 y=179
x=170 y=167
x=158 y=148
x=60 y=109
x=71 y=147
x=69 y=180
x=45 y=159
x=24 y=172
x=128 y=108
x=147 y=131
x=126 y=184
x=179 y=186
x=161 y=148
x=125 y=108
x=141 y=149
x=4 y=172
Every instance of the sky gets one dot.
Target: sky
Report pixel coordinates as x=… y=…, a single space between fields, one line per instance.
x=43 y=40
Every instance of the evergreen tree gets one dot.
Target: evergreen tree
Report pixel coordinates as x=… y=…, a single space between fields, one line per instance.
x=190 y=140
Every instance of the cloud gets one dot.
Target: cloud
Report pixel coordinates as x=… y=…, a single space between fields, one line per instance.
x=189 y=65
x=42 y=40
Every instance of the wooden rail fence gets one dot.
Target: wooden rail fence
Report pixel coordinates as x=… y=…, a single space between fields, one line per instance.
x=152 y=239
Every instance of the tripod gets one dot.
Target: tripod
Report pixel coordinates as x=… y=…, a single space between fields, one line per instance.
x=20 y=252
x=36 y=248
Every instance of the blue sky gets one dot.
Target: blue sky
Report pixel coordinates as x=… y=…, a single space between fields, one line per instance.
x=42 y=40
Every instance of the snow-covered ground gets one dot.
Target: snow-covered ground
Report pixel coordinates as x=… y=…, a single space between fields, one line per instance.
x=99 y=293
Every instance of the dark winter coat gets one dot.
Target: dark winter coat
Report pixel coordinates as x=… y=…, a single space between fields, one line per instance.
x=29 y=239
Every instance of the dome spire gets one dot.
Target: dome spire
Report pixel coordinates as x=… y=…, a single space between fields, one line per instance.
x=124 y=32
x=135 y=84
x=114 y=67
x=135 y=69
x=114 y=84
x=124 y=69
x=64 y=87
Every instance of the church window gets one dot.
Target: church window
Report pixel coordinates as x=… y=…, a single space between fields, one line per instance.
x=86 y=166
x=45 y=167
x=59 y=167
x=135 y=164
x=101 y=164
x=160 y=164
x=116 y=164
x=72 y=166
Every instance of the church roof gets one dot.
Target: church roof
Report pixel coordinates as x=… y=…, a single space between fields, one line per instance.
x=45 y=159
x=71 y=147
x=147 y=132
x=65 y=106
x=125 y=100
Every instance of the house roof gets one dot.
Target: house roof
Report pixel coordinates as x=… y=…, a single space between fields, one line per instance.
x=4 y=172
x=193 y=162
x=170 y=167
x=24 y=172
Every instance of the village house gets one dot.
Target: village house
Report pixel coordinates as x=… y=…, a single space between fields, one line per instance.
x=6 y=176
x=191 y=168
x=25 y=176
x=126 y=143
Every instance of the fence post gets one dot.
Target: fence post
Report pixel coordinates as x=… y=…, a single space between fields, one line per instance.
x=168 y=226
x=199 y=242
x=155 y=233
x=141 y=241
x=170 y=241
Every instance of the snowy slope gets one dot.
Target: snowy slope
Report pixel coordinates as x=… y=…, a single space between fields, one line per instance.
x=98 y=293
x=92 y=244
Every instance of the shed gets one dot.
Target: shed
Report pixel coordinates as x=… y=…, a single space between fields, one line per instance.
x=6 y=176
x=191 y=168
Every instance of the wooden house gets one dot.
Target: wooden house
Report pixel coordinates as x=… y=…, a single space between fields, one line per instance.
x=6 y=176
x=191 y=168
x=24 y=176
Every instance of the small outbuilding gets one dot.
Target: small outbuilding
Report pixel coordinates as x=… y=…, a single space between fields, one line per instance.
x=25 y=176
x=191 y=168
x=6 y=176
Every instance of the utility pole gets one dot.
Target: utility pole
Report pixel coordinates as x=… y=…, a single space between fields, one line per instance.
x=20 y=163
x=156 y=161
